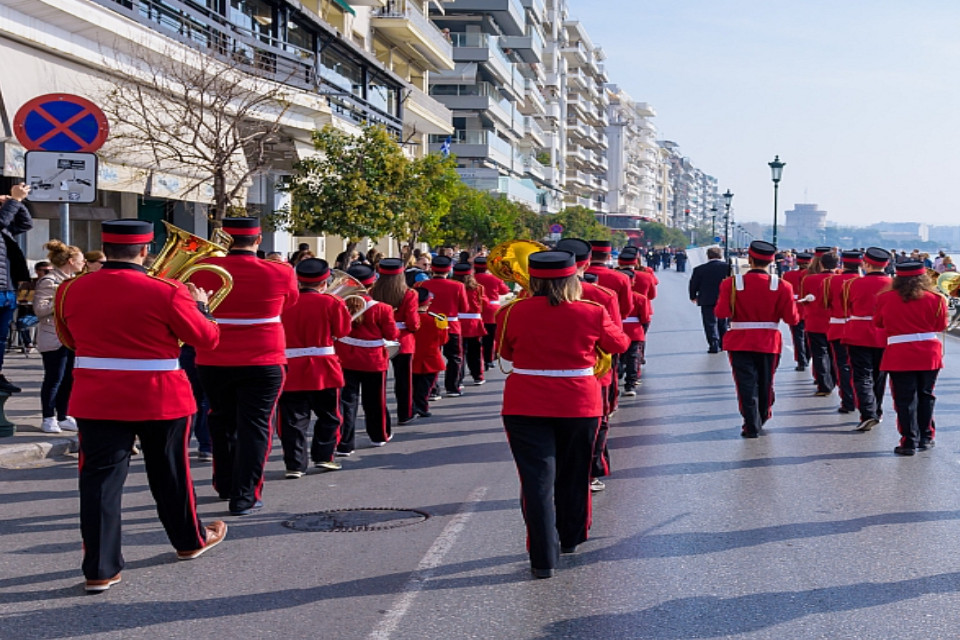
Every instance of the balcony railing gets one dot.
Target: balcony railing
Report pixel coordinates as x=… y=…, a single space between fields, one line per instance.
x=410 y=11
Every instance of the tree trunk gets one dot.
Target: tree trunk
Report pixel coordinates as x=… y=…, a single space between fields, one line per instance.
x=219 y=197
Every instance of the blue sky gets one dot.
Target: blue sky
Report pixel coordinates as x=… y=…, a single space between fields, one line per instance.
x=860 y=98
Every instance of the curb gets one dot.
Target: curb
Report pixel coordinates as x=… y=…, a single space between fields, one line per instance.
x=16 y=454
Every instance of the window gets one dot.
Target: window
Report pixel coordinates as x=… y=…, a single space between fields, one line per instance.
x=256 y=16
x=299 y=35
x=341 y=72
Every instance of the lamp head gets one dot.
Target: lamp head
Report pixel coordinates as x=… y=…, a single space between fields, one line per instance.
x=728 y=198
x=776 y=169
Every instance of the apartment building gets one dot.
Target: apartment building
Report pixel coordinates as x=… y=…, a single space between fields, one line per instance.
x=342 y=63
x=586 y=120
x=633 y=158
x=692 y=193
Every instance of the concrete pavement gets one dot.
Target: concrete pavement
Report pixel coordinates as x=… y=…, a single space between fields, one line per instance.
x=813 y=531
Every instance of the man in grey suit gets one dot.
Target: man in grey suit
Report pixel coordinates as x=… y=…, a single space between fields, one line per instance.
x=704 y=289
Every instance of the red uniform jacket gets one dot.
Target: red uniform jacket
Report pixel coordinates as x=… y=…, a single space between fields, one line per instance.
x=926 y=315
x=493 y=288
x=645 y=283
x=315 y=321
x=757 y=303
x=795 y=278
x=608 y=299
x=536 y=336
x=860 y=299
x=262 y=289
x=617 y=282
x=428 y=357
x=376 y=325
x=815 y=314
x=449 y=298
x=473 y=327
x=639 y=316
x=407 y=320
x=121 y=312
x=838 y=313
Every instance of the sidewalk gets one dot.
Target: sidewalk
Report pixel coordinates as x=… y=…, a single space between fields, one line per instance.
x=23 y=409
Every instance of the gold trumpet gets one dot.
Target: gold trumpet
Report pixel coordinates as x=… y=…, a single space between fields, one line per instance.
x=179 y=258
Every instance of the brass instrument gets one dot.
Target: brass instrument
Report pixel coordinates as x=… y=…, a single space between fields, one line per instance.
x=345 y=286
x=179 y=258
x=510 y=261
x=949 y=284
x=221 y=237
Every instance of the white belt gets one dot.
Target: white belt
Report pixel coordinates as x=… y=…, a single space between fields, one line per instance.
x=126 y=364
x=493 y=303
x=754 y=325
x=631 y=320
x=303 y=352
x=362 y=343
x=556 y=373
x=401 y=325
x=470 y=316
x=453 y=318
x=904 y=337
x=247 y=321
x=861 y=317
x=838 y=321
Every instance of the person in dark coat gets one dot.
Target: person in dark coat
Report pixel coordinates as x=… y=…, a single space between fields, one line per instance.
x=704 y=287
x=14 y=220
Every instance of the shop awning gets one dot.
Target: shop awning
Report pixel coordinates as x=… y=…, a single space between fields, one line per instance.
x=345 y=6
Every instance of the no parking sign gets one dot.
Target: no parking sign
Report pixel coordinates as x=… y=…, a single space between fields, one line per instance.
x=61 y=122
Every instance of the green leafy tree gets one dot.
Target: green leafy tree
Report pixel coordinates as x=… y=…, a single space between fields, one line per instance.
x=662 y=236
x=580 y=222
x=429 y=189
x=476 y=218
x=351 y=188
x=527 y=224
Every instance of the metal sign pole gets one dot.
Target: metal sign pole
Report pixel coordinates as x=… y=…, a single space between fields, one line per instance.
x=65 y=222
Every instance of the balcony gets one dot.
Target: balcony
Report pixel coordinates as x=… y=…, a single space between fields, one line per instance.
x=576 y=80
x=426 y=114
x=533 y=103
x=529 y=47
x=536 y=7
x=508 y=14
x=404 y=25
x=578 y=179
x=575 y=54
x=368 y=3
x=481 y=145
x=533 y=131
x=533 y=167
x=520 y=191
x=578 y=154
x=484 y=49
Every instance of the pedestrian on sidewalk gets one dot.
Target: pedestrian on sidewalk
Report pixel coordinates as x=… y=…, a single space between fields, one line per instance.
x=552 y=402
x=67 y=262
x=14 y=219
x=755 y=302
x=912 y=314
x=125 y=327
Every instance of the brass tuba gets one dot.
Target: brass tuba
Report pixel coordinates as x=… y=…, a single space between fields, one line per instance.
x=345 y=286
x=510 y=260
x=179 y=256
x=949 y=284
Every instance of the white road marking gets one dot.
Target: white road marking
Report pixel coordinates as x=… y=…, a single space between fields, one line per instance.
x=430 y=561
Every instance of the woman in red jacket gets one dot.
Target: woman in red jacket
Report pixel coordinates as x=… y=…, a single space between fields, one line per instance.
x=391 y=288
x=471 y=322
x=911 y=314
x=552 y=403
x=363 y=357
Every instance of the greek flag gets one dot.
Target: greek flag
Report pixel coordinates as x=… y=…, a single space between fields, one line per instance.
x=445 y=147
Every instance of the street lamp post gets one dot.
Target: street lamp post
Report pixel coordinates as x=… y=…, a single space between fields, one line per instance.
x=713 y=210
x=776 y=171
x=727 y=201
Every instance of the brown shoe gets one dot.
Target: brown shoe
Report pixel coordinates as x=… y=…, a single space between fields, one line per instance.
x=94 y=586
x=216 y=532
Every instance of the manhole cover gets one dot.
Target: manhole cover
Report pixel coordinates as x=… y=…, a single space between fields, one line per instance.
x=360 y=519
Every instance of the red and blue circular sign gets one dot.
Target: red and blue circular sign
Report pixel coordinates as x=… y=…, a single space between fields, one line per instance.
x=61 y=122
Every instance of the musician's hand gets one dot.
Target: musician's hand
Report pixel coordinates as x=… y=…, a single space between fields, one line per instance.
x=198 y=294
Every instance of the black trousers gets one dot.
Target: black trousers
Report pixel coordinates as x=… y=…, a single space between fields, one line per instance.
x=242 y=405
x=57 y=383
x=488 y=341
x=423 y=385
x=868 y=380
x=643 y=345
x=453 y=352
x=553 y=461
x=368 y=388
x=630 y=364
x=821 y=361
x=753 y=374
x=473 y=358
x=800 y=354
x=403 y=385
x=844 y=374
x=295 y=410
x=600 y=461
x=913 y=399
x=613 y=391
x=104 y=460
x=713 y=328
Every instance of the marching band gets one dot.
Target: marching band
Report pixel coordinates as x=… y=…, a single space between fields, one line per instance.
x=277 y=346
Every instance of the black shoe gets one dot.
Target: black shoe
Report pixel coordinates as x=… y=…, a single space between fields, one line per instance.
x=424 y=414
x=749 y=434
x=929 y=444
x=8 y=387
x=454 y=394
x=800 y=367
x=542 y=573
x=408 y=420
x=904 y=451
x=256 y=506
x=713 y=350
x=844 y=410
x=822 y=394
x=572 y=549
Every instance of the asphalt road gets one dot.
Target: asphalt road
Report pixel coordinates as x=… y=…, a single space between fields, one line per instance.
x=813 y=531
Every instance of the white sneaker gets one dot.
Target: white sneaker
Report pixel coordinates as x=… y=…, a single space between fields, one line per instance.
x=68 y=424
x=50 y=426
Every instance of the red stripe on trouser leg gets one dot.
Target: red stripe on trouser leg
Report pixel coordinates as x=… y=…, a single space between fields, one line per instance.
x=736 y=384
x=523 y=506
x=893 y=394
x=270 y=426
x=384 y=415
x=340 y=418
x=191 y=494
